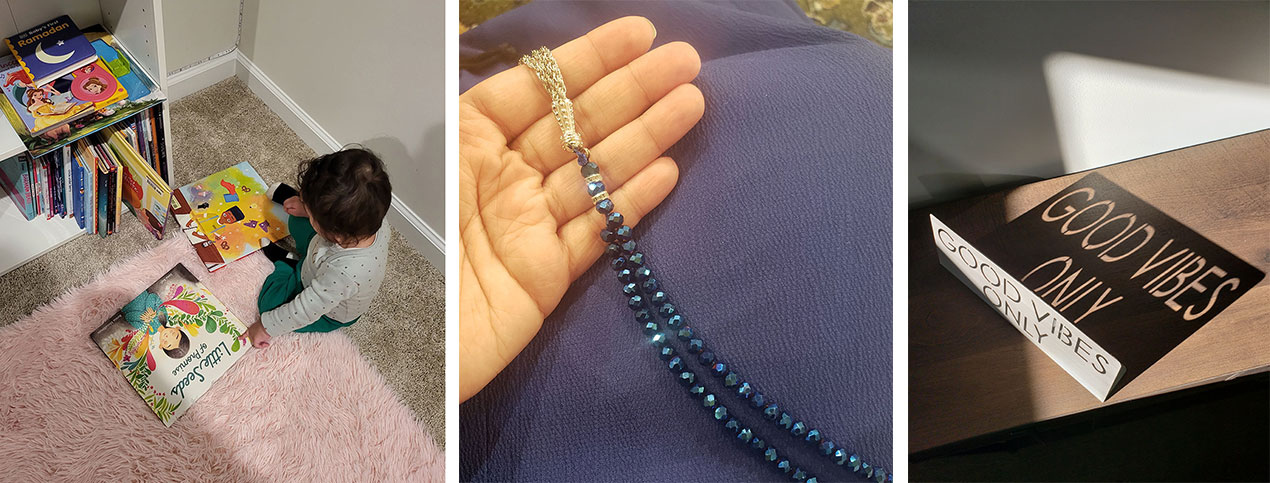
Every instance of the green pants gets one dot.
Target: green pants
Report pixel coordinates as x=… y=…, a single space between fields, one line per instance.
x=284 y=283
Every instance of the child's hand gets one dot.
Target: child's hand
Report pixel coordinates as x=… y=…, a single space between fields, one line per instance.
x=257 y=336
x=294 y=207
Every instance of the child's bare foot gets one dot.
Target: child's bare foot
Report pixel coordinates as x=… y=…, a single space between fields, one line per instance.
x=295 y=207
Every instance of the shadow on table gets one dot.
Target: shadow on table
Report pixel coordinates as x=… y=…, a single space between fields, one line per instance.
x=1216 y=432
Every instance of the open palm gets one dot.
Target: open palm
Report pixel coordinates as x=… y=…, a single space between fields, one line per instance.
x=527 y=226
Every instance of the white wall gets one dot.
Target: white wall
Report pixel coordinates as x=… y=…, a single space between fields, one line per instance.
x=368 y=72
x=196 y=30
x=979 y=110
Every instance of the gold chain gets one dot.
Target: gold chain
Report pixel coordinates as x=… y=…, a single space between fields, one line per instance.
x=544 y=66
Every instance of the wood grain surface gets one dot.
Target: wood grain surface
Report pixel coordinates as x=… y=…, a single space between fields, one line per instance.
x=972 y=373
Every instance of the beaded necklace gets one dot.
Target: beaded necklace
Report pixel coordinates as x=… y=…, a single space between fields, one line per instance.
x=651 y=306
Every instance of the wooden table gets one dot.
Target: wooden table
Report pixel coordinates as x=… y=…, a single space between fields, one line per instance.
x=971 y=373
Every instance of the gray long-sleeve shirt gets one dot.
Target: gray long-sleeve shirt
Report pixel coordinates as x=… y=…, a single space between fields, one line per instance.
x=338 y=283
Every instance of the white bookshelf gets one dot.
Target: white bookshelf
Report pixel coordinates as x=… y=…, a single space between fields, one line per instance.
x=138 y=26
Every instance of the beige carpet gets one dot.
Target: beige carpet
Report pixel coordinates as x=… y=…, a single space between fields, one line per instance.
x=403 y=335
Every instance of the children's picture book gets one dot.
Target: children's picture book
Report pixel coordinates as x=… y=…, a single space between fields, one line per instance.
x=143 y=191
x=51 y=50
x=41 y=109
x=172 y=342
x=227 y=215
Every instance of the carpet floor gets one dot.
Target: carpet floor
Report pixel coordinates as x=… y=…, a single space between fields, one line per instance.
x=404 y=334
x=308 y=408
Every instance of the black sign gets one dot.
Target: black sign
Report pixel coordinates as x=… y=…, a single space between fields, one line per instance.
x=1132 y=278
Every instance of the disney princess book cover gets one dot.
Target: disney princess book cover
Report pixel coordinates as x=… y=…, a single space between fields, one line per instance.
x=172 y=342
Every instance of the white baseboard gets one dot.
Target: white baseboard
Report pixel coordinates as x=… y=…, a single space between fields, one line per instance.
x=202 y=76
x=417 y=232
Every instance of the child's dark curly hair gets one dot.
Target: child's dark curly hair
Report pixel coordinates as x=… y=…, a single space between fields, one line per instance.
x=347 y=192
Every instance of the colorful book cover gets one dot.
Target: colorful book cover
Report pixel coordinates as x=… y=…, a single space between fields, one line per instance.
x=44 y=108
x=172 y=342
x=145 y=194
x=227 y=215
x=120 y=68
x=51 y=49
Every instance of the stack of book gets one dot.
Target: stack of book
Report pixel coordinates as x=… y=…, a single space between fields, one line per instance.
x=92 y=126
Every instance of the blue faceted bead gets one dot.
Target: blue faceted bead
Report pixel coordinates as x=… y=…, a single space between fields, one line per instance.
x=827 y=447
x=643 y=273
x=757 y=400
x=695 y=346
x=605 y=206
x=676 y=364
x=731 y=379
x=667 y=352
x=709 y=401
x=707 y=357
x=667 y=309
x=770 y=455
x=814 y=436
x=643 y=315
x=685 y=333
x=771 y=411
x=675 y=322
x=732 y=426
x=758 y=443
x=687 y=378
x=745 y=390
x=650 y=285
x=799 y=429
x=658 y=339
x=745 y=435
x=613 y=250
x=812 y=480
x=651 y=328
x=614 y=220
x=594 y=187
x=720 y=413
x=786 y=421
x=636 y=260
x=658 y=298
x=582 y=157
x=799 y=475
x=840 y=456
x=626 y=276
x=785 y=466
x=617 y=263
x=608 y=236
x=630 y=289
x=635 y=302
x=879 y=475
x=589 y=169
x=719 y=368
x=624 y=233
x=854 y=462
x=866 y=470
x=697 y=390
x=628 y=246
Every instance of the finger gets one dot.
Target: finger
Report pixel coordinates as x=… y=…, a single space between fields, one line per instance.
x=644 y=191
x=514 y=99
x=611 y=103
x=627 y=151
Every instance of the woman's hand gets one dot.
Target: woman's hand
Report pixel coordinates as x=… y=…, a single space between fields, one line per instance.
x=526 y=224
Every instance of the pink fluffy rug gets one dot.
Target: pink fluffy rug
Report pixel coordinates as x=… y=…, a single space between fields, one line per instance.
x=309 y=408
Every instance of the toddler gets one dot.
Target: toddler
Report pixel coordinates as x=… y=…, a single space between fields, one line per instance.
x=342 y=200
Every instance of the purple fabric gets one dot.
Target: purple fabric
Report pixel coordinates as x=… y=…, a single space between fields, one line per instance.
x=775 y=244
